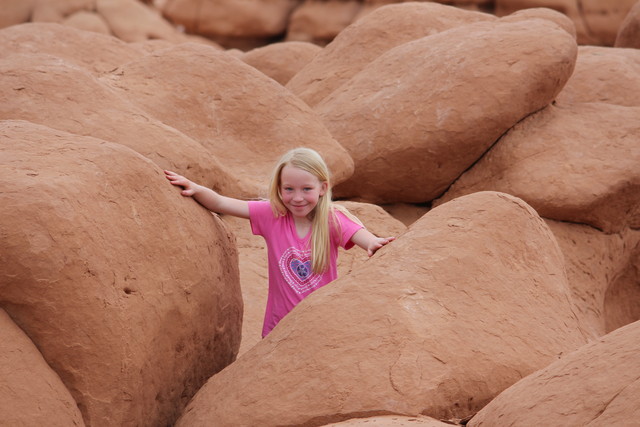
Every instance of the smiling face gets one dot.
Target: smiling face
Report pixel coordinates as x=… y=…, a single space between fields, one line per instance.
x=300 y=191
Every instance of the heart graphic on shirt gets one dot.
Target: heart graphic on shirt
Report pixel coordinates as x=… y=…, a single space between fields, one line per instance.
x=295 y=265
x=301 y=269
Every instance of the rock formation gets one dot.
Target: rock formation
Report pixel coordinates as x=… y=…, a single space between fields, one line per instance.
x=597 y=385
x=414 y=330
x=242 y=118
x=130 y=292
x=506 y=146
x=31 y=392
x=629 y=31
x=427 y=110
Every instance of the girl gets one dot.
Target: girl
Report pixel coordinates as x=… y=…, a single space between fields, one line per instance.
x=301 y=226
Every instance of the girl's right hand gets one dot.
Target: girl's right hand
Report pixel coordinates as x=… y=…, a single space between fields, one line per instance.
x=188 y=187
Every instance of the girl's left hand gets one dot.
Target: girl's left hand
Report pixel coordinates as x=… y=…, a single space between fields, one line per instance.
x=377 y=243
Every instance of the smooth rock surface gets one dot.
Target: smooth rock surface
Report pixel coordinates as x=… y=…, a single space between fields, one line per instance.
x=437 y=323
x=604 y=74
x=597 y=385
x=575 y=163
x=130 y=291
x=629 y=31
x=602 y=274
x=281 y=61
x=53 y=92
x=426 y=110
x=371 y=36
x=244 y=119
x=31 y=393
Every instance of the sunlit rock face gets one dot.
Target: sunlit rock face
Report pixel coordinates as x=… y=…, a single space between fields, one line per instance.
x=129 y=291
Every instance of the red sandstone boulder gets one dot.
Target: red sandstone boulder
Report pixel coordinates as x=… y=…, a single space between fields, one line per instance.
x=425 y=111
x=51 y=91
x=604 y=74
x=129 y=290
x=97 y=53
x=231 y=23
x=368 y=38
x=281 y=61
x=602 y=273
x=31 y=392
x=57 y=10
x=542 y=13
x=391 y=421
x=596 y=21
x=406 y=213
x=254 y=280
x=437 y=323
x=621 y=299
x=577 y=163
x=88 y=21
x=629 y=31
x=15 y=12
x=242 y=117
x=320 y=22
x=597 y=385
x=132 y=21
x=377 y=221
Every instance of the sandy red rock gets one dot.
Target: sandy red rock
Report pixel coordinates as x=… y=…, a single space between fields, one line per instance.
x=130 y=292
x=281 y=61
x=574 y=163
x=414 y=330
x=365 y=40
x=604 y=74
x=597 y=385
x=426 y=110
x=31 y=392
x=241 y=117
x=629 y=31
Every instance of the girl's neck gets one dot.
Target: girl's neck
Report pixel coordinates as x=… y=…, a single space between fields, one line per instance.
x=303 y=225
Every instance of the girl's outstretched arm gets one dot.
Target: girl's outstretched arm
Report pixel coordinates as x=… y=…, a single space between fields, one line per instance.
x=208 y=198
x=369 y=242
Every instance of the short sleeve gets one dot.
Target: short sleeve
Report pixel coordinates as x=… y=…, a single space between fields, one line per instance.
x=259 y=214
x=348 y=228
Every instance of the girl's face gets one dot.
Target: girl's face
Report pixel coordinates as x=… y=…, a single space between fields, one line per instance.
x=300 y=190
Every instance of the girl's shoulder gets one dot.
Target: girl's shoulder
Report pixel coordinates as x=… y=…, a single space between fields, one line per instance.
x=337 y=209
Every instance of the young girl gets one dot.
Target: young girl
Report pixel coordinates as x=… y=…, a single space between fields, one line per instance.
x=300 y=224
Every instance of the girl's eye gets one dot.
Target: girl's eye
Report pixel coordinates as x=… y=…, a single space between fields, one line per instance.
x=308 y=189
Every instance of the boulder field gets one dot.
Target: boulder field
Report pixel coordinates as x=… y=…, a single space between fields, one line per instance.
x=414 y=330
x=499 y=149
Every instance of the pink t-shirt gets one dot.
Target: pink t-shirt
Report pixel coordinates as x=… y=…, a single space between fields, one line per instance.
x=289 y=259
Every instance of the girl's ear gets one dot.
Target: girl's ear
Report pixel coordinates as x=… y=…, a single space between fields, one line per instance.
x=323 y=188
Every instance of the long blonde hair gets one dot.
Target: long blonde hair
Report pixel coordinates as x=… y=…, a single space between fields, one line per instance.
x=324 y=221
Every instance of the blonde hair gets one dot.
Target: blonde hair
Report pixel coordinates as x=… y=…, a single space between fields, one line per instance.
x=324 y=221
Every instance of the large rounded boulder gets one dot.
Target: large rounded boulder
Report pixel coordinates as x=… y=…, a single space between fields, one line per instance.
x=437 y=323
x=242 y=117
x=57 y=93
x=371 y=36
x=281 y=61
x=576 y=163
x=602 y=273
x=604 y=74
x=629 y=30
x=129 y=290
x=597 y=385
x=426 y=110
x=97 y=53
x=32 y=394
